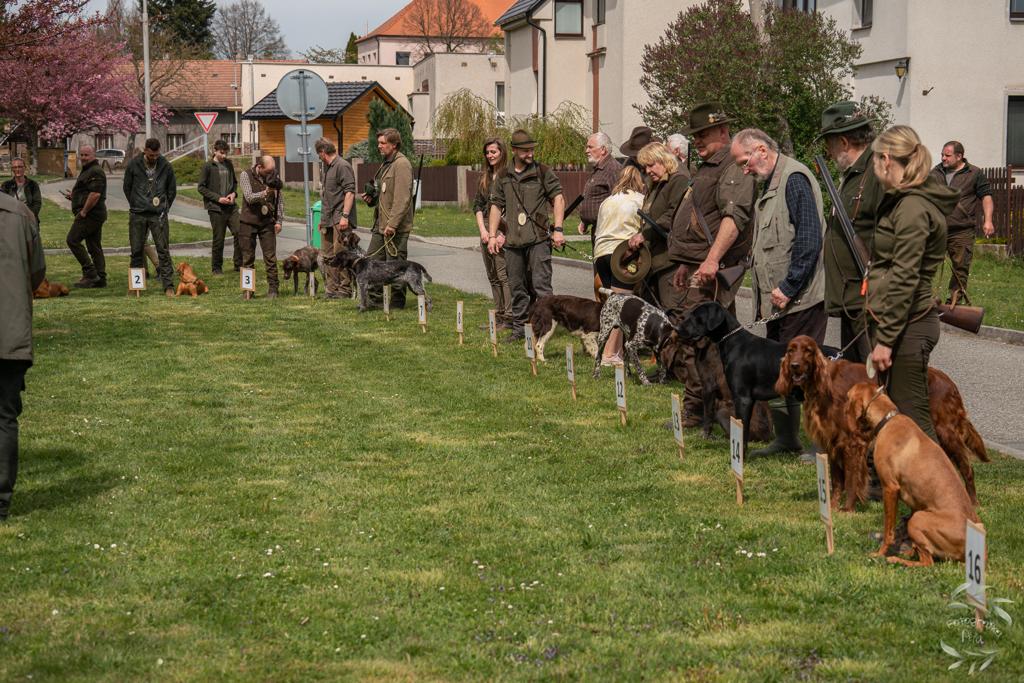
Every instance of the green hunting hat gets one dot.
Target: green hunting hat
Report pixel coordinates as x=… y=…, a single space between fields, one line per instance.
x=523 y=140
x=638 y=139
x=704 y=116
x=630 y=269
x=842 y=117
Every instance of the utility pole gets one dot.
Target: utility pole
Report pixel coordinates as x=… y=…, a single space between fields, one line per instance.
x=145 y=67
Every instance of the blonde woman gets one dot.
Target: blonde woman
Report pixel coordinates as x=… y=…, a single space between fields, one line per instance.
x=908 y=248
x=667 y=185
x=617 y=221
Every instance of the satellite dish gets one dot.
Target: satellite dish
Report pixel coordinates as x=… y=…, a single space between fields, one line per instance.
x=289 y=94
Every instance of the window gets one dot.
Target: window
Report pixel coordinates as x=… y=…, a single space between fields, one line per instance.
x=1017 y=9
x=175 y=140
x=599 y=7
x=800 y=5
x=1015 y=131
x=568 y=17
x=104 y=141
x=866 y=11
x=499 y=96
x=402 y=58
x=229 y=138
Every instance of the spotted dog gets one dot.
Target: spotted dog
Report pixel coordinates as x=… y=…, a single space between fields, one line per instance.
x=643 y=327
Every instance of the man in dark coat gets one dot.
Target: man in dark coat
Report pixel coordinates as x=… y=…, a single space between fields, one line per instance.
x=218 y=186
x=150 y=188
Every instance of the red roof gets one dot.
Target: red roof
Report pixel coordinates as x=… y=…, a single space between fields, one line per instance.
x=206 y=83
x=397 y=24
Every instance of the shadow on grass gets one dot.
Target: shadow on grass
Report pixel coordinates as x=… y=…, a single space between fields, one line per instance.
x=51 y=479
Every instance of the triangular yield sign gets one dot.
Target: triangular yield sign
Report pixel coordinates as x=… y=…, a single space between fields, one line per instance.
x=206 y=119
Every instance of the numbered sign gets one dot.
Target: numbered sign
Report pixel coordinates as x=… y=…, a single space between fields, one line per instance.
x=825 y=499
x=620 y=390
x=386 y=295
x=458 y=320
x=248 y=279
x=975 y=559
x=570 y=368
x=529 y=342
x=677 y=422
x=736 y=455
x=136 y=280
x=421 y=308
x=492 y=330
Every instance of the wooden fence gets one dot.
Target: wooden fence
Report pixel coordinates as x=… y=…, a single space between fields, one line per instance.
x=1008 y=215
x=440 y=183
x=572 y=183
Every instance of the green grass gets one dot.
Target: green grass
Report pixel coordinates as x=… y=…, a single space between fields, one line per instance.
x=54 y=223
x=214 y=489
x=997 y=285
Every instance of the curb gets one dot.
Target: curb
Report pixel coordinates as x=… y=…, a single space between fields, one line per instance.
x=119 y=251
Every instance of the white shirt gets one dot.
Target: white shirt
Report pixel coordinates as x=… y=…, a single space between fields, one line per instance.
x=617 y=221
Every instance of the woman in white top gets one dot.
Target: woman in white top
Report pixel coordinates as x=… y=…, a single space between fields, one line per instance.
x=617 y=221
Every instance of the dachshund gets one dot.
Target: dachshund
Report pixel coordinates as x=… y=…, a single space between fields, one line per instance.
x=50 y=290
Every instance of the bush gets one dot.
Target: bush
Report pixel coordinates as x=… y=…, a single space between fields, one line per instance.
x=358 y=150
x=187 y=168
x=382 y=116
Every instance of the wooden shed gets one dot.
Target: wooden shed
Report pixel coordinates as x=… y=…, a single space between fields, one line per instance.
x=344 y=120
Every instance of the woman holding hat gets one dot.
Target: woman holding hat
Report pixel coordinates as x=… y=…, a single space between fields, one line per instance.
x=909 y=246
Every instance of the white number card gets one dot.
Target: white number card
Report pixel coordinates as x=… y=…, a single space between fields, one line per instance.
x=248 y=277
x=136 y=278
x=620 y=386
x=677 y=419
x=824 y=488
x=492 y=326
x=570 y=364
x=421 y=307
x=386 y=294
x=974 y=561
x=736 y=447
x=458 y=317
x=528 y=341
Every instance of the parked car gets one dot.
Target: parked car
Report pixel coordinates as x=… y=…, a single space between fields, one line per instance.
x=110 y=159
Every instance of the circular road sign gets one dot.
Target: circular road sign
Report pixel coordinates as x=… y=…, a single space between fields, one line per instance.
x=289 y=94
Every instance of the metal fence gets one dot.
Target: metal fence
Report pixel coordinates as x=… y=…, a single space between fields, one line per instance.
x=1008 y=216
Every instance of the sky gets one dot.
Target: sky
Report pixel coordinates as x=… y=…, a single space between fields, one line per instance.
x=327 y=23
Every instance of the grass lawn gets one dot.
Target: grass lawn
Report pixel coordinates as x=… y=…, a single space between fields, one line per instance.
x=214 y=489
x=54 y=223
x=996 y=285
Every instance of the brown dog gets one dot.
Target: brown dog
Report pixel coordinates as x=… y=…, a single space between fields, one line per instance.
x=825 y=385
x=188 y=283
x=49 y=290
x=580 y=317
x=302 y=260
x=912 y=468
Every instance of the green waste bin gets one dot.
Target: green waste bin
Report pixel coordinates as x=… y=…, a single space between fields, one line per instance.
x=315 y=210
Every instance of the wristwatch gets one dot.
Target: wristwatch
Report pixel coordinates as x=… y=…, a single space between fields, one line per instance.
x=557 y=228
x=344 y=215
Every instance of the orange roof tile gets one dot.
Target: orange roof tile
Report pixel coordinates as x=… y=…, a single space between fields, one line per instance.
x=396 y=24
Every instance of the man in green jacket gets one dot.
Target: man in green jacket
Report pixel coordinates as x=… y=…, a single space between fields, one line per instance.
x=847 y=132
x=150 y=188
x=392 y=213
x=523 y=195
x=23 y=188
x=337 y=215
x=24 y=268
x=218 y=186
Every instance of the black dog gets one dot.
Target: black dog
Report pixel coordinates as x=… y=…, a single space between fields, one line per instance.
x=302 y=260
x=381 y=273
x=751 y=363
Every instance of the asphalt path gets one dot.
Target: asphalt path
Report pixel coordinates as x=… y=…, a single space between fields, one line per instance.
x=990 y=374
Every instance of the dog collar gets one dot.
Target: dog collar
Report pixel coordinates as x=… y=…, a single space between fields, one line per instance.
x=730 y=333
x=884 y=421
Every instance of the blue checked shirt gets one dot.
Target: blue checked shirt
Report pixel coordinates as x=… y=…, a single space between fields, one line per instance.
x=803 y=213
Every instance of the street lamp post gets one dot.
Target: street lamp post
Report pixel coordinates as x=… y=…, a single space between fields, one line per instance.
x=145 y=67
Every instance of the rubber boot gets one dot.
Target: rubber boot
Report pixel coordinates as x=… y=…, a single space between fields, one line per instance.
x=787 y=432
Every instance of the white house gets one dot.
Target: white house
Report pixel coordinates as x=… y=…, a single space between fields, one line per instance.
x=439 y=75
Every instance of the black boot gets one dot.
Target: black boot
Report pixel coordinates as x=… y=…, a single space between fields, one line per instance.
x=787 y=432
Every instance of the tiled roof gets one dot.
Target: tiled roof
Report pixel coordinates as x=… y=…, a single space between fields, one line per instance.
x=340 y=97
x=203 y=84
x=398 y=24
x=517 y=11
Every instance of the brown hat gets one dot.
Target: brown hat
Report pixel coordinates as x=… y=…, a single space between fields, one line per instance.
x=638 y=139
x=523 y=140
x=704 y=116
x=630 y=269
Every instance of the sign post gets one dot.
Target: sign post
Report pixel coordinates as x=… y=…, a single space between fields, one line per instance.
x=458 y=320
x=386 y=296
x=620 y=391
x=531 y=348
x=570 y=369
x=247 y=280
x=677 y=423
x=975 y=561
x=492 y=329
x=825 y=499
x=736 y=455
x=421 y=310
x=137 y=280
x=206 y=119
x=302 y=96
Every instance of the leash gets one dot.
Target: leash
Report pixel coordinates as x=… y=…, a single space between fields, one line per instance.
x=762 y=321
x=844 y=349
x=389 y=245
x=584 y=254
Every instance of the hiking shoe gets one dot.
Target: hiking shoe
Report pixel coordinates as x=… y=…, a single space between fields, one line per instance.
x=218 y=271
x=169 y=291
x=514 y=337
x=88 y=283
x=272 y=294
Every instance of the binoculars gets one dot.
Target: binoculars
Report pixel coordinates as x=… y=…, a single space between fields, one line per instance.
x=370 y=190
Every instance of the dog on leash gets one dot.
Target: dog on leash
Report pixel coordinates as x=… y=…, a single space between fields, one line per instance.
x=370 y=274
x=302 y=260
x=50 y=290
x=914 y=469
x=188 y=282
x=643 y=327
x=581 y=317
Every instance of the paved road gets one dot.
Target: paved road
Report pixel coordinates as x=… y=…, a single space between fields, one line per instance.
x=990 y=374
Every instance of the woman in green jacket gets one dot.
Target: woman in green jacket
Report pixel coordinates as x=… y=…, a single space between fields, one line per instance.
x=909 y=247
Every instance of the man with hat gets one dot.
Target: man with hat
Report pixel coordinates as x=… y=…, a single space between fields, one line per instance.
x=523 y=195
x=847 y=133
x=711 y=229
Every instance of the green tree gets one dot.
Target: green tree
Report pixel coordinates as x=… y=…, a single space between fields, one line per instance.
x=188 y=22
x=778 y=77
x=351 y=50
x=382 y=116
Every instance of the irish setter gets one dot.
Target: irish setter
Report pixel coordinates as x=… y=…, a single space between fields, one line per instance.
x=825 y=386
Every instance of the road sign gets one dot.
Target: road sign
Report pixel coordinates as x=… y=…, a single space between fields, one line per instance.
x=293 y=101
x=294 y=143
x=206 y=119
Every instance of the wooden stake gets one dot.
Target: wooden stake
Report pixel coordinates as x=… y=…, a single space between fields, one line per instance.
x=458 y=320
x=677 y=424
x=736 y=455
x=570 y=369
x=825 y=499
x=531 y=347
x=421 y=307
x=492 y=329
x=386 y=295
x=620 y=391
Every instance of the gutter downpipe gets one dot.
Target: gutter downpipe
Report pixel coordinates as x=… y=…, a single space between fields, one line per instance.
x=543 y=67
